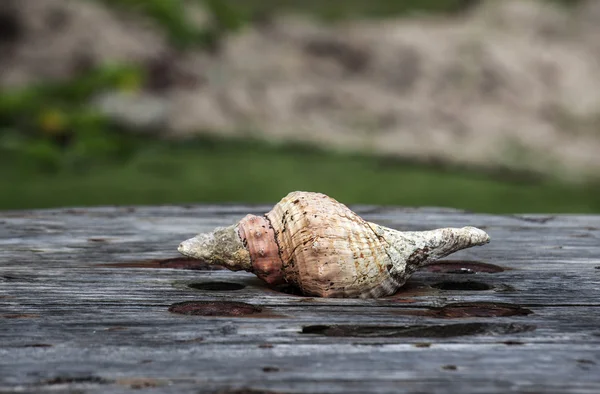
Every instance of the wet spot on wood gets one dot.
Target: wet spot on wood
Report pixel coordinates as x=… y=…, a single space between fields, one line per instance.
x=76 y=379
x=20 y=316
x=504 y=288
x=270 y=369
x=369 y=344
x=411 y=289
x=581 y=235
x=140 y=383
x=184 y=263
x=98 y=240
x=513 y=343
x=16 y=278
x=214 y=308
x=586 y=361
x=309 y=299
x=469 y=285
x=246 y=391
x=42 y=345
x=217 y=286
x=117 y=328
x=481 y=309
x=403 y=300
x=422 y=344
x=469 y=309
x=450 y=367
x=418 y=331
x=586 y=364
x=462 y=267
x=533 y=219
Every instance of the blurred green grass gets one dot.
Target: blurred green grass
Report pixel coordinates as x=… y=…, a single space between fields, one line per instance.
x=208 y=170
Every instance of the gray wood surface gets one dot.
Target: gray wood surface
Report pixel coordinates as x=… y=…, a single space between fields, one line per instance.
x=91 y=300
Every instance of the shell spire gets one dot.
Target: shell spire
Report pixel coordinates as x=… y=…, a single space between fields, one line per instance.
x=411 y=250
x=315 y=243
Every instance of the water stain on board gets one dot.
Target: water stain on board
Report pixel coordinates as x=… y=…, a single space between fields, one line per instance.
x=504 y=288
x=17 y=278
x=422 y=344
x=247 y=391
x=223 y=309
x=20 y=316
x=216 y=286
x=513 y=343
x=117 y=328
x=140 y=383
x=37 y=345
x=60 y=380
x=469 y=285
x=411 y=289
x=470 y=309
x=462 y=267
x=533 y=218
x=418 y=331
x=185 y=263
x=98 y=240
x=215 y=308
x=481 y=309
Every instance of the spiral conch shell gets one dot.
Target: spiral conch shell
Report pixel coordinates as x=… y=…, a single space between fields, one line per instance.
x=318 y=245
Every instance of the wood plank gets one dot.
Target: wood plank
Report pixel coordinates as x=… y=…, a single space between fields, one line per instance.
x=85 y=297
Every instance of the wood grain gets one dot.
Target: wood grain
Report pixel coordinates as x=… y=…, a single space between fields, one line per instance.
x=85 y=296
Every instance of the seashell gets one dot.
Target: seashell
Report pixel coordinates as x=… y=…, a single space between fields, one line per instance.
x=318 y=245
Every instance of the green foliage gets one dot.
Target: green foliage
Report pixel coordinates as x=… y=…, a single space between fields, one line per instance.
x=168 y=13
x=225 y=17
x=51 y=125
x=172 y=16
x=218 y=171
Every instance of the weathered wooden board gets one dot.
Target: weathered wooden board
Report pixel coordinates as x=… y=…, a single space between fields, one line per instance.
x=85 y=297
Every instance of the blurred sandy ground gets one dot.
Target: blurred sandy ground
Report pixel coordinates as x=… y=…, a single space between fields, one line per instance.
x=512 y=84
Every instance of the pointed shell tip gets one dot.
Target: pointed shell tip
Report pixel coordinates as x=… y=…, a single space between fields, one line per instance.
x=478 y=236
x=184 y=248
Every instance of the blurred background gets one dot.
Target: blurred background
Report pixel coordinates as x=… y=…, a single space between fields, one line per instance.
x=489 y=106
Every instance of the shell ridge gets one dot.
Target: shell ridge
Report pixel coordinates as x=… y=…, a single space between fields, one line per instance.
x=397 y=278
x=275 y=238
x=258 y=237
